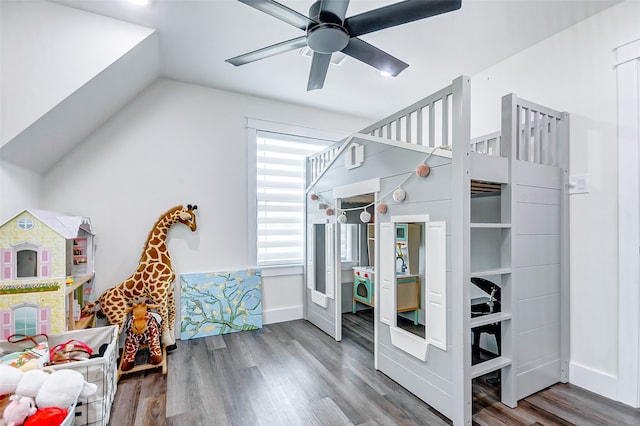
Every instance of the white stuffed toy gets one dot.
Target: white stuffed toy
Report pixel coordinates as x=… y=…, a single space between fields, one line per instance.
x=18 y=410
x=61 y=389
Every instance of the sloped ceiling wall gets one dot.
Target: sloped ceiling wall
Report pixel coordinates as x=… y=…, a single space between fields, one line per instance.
x=64 y=72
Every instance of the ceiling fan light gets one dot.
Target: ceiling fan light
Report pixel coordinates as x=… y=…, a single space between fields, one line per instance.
x=386 y=74
x=327 y=38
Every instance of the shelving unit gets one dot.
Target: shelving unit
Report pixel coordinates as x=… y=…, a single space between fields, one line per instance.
x=79 y=256
x=491 y=234
x=72 y=293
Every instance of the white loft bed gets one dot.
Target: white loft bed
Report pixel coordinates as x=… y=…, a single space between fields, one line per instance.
x=524 y=167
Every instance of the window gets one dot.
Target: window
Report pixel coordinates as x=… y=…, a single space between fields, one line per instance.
x=27 y=263
x=25 y=223
x=25 y=320
x=280 y=195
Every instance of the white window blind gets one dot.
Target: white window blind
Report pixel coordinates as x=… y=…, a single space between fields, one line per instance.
x=280 y=172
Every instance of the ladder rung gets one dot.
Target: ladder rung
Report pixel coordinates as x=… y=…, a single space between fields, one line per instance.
x=489 y=319
x=489 y=366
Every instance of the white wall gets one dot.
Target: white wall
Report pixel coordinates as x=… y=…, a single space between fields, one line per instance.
x=573 y=71
x=44 y=59
x=19 y=190
x=177 y=143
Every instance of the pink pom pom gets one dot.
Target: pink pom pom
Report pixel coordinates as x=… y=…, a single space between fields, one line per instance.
x=381 y=208
x=422 y=170
x=314 y=197
x=329 y=212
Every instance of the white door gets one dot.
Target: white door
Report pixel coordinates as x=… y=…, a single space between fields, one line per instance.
x=322 y=304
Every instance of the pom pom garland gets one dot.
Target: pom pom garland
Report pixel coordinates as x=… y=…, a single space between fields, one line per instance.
x=398 y=194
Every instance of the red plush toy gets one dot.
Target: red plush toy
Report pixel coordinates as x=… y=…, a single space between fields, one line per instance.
x=51 y=416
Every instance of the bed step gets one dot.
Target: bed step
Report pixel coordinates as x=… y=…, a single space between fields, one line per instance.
x=489 y=366
x=490 y=319
x=491 y=272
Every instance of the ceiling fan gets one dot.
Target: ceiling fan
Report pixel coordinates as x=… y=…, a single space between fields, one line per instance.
x=327 y=31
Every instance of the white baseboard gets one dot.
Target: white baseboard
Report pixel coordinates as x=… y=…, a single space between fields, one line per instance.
x=593 y=380
x=273 y=316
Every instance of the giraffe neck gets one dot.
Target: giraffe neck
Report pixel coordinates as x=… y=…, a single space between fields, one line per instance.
x=156 y=250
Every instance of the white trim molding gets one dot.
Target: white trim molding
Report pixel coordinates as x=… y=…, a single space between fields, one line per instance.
x=627 y=68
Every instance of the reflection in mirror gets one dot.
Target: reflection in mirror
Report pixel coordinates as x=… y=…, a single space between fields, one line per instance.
x=410 y=269
x=320 y=258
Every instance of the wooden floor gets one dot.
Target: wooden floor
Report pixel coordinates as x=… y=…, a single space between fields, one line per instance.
x=293 y=374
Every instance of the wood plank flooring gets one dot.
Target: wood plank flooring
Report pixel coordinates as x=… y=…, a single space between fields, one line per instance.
x=293 y=374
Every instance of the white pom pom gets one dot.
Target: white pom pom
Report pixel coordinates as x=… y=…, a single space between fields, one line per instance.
x=399 y=194
x=342 y=218
x=365 y=216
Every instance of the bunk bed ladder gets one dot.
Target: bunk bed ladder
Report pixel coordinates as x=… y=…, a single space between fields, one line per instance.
x=495 y=236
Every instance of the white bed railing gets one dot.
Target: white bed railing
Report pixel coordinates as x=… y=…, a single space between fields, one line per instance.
x=428 y=122
x=487 y=144
x=537 y=133
x=318 y=162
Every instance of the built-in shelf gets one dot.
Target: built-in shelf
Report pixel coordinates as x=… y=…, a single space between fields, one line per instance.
x=69 y=291
x=490 y=319
x=490 y=272
x=490 y=225
x=77 y=282
x=489 y=366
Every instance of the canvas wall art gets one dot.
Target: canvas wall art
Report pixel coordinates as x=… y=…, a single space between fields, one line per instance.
x=220 y=302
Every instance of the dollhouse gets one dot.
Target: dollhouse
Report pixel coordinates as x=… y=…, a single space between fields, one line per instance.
x=46 y=265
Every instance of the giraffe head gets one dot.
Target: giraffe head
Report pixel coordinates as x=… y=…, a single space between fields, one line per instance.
x=187 y=216
x=141 y=317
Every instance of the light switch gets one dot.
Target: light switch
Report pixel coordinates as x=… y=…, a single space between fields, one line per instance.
x=579 y=184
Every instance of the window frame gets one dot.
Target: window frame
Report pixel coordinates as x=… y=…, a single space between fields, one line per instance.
x=255 y=125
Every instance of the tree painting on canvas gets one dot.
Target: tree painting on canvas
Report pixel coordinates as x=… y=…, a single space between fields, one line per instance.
x=220 y=302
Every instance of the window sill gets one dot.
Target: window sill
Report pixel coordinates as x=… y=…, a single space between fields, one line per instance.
x=281 y=270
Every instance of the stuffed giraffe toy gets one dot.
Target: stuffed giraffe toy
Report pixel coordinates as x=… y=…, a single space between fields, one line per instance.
x=142 y=327
x=152 y=280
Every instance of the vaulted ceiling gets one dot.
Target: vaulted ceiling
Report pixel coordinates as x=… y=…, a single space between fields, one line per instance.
x=194 y=37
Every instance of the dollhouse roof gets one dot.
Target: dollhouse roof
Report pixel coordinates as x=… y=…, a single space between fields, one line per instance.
x=66 y=225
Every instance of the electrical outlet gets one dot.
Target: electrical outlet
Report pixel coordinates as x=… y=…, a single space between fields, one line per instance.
x=579 y=184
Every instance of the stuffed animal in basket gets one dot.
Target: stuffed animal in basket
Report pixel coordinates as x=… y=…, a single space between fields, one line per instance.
x=152 y=280
x=61 y=389
x=18 y=410
x=142 y=328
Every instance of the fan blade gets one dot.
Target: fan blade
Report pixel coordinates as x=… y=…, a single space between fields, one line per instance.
x=319 y=67
x=397 y=14
x=268 y=51
x=281 y=12
x=371 y=55
x=337 y=8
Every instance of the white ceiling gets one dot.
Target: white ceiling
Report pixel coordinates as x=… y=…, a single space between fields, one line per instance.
x=196 y=36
